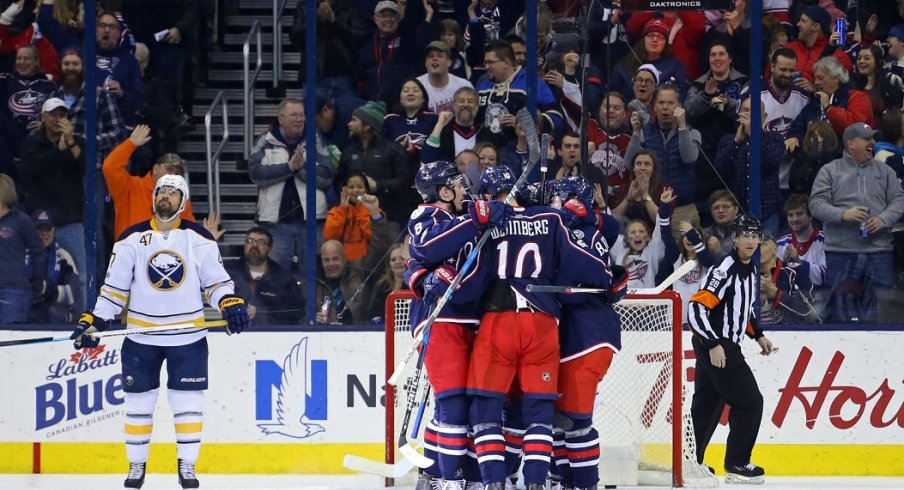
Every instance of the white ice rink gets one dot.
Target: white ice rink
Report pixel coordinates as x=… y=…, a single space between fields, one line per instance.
x=268 y=482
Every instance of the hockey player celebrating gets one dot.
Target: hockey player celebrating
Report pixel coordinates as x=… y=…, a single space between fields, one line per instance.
x=442 y=236
x=518 y=337
x=589 y=336
x=720 y=313
x=160 y=268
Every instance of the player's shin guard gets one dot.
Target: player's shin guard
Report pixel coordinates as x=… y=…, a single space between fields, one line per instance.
x=470 y=470
x=490 y=446
x=430 y=445
x=559 y=471
x=582 y=444
x=451 y=448
x=537 y=453
x=514 y=443
x=188 y=416
x=139 y=424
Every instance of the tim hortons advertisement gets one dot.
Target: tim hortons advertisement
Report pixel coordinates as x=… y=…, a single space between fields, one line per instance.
x=820 y=388
x=264 y=387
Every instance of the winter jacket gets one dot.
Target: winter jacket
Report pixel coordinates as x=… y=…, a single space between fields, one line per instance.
x=733 y=163
x=846 y=106
x=53 y=179
x=276 y=296
x=351 y=226
x=807 y=57
x=338 y=42
x=678 y=153
x=268 y=167
x=842 y=184
x=687 y=43
x=386 y=163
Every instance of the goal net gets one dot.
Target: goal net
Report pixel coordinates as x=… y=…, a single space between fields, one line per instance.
x=642 y=441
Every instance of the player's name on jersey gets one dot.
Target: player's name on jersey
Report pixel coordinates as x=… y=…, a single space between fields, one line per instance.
x=524 y=228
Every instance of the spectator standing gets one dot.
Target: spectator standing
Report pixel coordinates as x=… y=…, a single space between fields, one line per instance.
x=132 y=199
x=389 y=56
x=643 y=88
x=834 y=100
x=117 y=70
x=19 y=245
x=610 y=138
x=440 y=85
x=884 y=88
x=724 y=209
x=450 y=138
x=277 y=166
x=805 y=242
x=854 y=193
x=391 y=280
x=653 y=49
x=813 y=44
x=17 y=30
x=389 y=174
x=820 y=146
x=676 y=145
x=52 y=177
x=639 y=199
x=684 y=35
x=733 y=162
x=271 y=292
x=411 y=123
x=22 y=94
x=450 y=33
x=63 y=294
x=350 y=221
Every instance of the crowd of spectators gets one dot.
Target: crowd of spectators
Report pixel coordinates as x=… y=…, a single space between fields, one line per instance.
x=667 y=102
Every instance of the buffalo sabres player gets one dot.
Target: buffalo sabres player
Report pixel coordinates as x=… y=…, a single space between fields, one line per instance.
x=589 y=336
x=159 y=268
x=518 y=337
x=443 y=234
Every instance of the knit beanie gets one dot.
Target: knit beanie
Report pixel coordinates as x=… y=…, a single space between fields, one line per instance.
x=897 y=31
x=372 y=114
x=820 y=16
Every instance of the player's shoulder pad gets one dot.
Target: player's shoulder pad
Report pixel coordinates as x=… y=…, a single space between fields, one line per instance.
x=195 y=227
x=139 y=227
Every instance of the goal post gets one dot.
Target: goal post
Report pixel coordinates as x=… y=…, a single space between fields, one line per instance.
x=642 y=408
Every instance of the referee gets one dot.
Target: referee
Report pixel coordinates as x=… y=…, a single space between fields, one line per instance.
x=720 y=313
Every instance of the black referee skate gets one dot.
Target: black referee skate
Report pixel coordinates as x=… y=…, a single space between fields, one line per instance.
x=135 y=478
x=187 y=476
x=750 y=474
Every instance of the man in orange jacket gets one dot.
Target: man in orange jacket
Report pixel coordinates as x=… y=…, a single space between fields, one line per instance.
x=132 y=195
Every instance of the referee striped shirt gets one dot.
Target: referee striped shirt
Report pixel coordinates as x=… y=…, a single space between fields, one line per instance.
x=723 y=307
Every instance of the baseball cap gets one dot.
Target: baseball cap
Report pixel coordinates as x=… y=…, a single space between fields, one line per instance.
x=897 y=31
x=51 y=104
x=42 y=217
x=386 y=5
x=438 y=46
x=858 y=130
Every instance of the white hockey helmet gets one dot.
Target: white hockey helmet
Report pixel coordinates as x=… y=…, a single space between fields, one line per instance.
x=174 y=181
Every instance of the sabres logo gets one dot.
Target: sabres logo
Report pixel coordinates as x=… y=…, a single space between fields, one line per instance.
x=166 y=270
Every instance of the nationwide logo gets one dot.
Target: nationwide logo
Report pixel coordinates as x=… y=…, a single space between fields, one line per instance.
x=301 y=394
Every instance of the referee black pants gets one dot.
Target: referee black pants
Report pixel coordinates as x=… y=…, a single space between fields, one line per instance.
x=713 y=389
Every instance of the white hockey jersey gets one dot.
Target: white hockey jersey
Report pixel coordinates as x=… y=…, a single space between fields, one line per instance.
x=642 y=267
x=161 y=277
x=813 y=250
x=781 y=111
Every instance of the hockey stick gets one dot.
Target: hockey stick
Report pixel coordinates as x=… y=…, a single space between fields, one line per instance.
x=674 y=276
x=530 y=132
x=544 y=165
x=115 y=333
x=408 y=451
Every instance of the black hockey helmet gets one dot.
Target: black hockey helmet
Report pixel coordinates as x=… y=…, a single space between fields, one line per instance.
x=746 y=224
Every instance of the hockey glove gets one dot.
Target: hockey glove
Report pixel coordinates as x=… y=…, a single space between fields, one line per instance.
x=437 y=283
x=235 y=312
x=88 y=324
x=487 y=214
x=618 y=288
x=578 y=214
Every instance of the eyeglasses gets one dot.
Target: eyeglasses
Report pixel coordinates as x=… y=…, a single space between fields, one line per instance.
x=655 y=35
x=254 y=241
x=644 y=81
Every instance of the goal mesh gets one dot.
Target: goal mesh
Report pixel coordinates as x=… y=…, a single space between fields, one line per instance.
x=646 y=384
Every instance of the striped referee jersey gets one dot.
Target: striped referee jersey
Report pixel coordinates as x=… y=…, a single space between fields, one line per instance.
x=723 y=307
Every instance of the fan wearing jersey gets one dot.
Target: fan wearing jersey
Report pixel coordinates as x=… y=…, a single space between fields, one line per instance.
x=164 y=269
x=589 y=336
x=518 y=336
x=442 y=236
x=720 y=314
x=641 y=252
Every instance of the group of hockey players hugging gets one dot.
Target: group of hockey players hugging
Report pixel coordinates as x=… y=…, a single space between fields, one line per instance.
x=524 y=382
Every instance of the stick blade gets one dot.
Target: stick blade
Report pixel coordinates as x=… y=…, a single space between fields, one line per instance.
x=416 y=458
x=386 y=470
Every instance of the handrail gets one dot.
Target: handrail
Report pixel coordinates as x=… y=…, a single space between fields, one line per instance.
x=277 y=41
x=249 y=80
x=213 y=157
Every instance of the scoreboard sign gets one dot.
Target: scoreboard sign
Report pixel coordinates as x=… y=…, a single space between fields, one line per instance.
x=672 y=5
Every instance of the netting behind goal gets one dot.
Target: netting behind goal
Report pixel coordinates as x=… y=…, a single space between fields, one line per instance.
x=642 y=442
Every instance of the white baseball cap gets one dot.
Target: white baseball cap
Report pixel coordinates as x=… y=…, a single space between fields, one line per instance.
x=52 y=104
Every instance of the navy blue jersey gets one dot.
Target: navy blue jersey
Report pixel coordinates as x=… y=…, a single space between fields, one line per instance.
x=438 y=237
x=413 y=130
x=535 y=247
x=496 y=100
x=588 y=320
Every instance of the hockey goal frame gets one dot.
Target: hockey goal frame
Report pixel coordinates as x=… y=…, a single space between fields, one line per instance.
x=678 y=394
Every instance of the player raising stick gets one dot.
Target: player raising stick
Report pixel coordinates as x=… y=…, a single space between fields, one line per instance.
x=159 y=268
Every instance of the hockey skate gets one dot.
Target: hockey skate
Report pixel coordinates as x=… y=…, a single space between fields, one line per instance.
x=452 y=485
x=187 y=476
x=473 y=485
x=750 y=474
x=427 y=482
x=135 y=479
x=495 y=486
